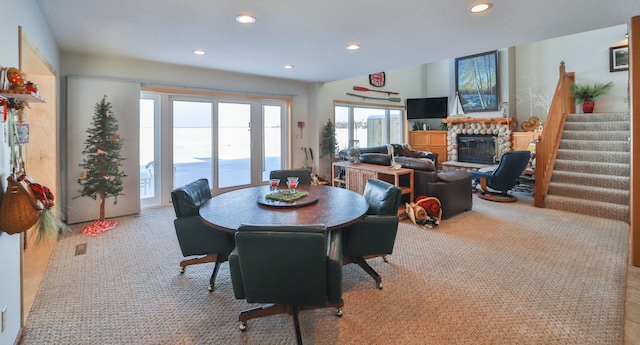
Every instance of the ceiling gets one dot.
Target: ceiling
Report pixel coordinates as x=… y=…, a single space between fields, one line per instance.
x=312 y=36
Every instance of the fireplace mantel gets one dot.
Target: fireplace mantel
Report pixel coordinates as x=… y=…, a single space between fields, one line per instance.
x=499 y=120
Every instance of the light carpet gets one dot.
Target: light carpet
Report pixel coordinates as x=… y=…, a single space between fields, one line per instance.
x=499 y=274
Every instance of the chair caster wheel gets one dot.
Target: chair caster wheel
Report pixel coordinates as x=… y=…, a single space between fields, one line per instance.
x=243 y=326
x=384 y=258
x=379 y=285
x=182 y=269
x=210 y=288
x=339 y=312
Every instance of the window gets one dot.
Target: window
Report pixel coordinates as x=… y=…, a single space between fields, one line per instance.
x=362 y=126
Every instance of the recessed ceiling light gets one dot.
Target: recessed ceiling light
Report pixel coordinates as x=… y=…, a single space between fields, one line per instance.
x=288 y=66
x=353 y=46
x=199 y=52
x=481 y=7
x=245 y=19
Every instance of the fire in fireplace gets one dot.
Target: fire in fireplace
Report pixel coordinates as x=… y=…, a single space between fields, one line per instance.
x=480 y=149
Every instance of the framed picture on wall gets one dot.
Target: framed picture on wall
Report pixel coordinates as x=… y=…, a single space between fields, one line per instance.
x=619 y=58
x=22 y=133
x=477 y=82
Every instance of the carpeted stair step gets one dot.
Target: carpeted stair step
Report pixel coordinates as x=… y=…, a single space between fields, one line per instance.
x=598 y=126
x=588 y=145
x=588 y=207
x=596 y=135
x=598 y=117
x=593 y=180
x=598 y=156
x=614 y=196
x=593 y=167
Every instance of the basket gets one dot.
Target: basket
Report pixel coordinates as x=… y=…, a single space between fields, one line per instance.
x=19 y=209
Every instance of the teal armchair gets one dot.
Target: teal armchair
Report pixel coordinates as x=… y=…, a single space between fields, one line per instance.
x=194 y=236
x=292 y=267
x=375 y=234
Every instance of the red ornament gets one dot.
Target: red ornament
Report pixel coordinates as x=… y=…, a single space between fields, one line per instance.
x=31 y=87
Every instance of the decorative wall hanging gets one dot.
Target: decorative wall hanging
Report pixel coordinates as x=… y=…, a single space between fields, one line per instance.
x=377 y=79
x=362 y=88
x=390 y=99
x=619 y=58
x=477 y=82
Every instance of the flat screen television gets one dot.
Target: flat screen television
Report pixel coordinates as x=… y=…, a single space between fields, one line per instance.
x=427 y=108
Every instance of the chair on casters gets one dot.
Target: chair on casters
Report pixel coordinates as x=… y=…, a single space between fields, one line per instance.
x=303 y=175
x=291 y=267
x=496 y=184
x=375 y=234
x=194 y=236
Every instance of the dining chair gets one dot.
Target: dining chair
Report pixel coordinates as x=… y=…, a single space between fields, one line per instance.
x=303 y=175
x=375 y=234
x=496 y=184
x=291 y=267
x=194 y=236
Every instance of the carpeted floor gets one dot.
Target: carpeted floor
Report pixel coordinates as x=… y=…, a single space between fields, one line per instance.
x=500 y=274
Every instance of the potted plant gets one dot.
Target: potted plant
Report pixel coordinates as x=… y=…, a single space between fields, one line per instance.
x=587 y=93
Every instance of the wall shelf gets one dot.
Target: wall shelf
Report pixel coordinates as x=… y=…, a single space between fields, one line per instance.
x=23 y=95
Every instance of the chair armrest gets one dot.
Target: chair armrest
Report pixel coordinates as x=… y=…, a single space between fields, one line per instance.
x=373 y=235
x=236 y=275
x=334 y=267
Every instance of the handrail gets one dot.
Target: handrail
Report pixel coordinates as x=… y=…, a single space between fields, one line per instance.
x=549 y=141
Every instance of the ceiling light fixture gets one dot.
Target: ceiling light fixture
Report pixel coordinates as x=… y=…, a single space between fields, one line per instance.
x=481 y=7
x=288 y=66
x=245 y=19
x=199 y=52
x=353 y=46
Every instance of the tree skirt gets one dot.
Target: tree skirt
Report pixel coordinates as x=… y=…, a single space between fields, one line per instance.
x=98 y=227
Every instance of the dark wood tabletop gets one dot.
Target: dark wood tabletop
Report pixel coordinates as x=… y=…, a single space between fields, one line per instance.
x=335 y=208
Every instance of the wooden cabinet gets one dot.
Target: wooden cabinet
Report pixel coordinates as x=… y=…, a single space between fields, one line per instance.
x=354 y=177
x=521 y=140
x=430 y=141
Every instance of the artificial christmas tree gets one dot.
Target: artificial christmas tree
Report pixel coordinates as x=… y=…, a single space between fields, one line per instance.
x=102 y=174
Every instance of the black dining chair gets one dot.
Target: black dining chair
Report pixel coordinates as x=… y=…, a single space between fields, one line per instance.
x=375 y=234
x=303 y=175
x=292 y=267
x=194 y=236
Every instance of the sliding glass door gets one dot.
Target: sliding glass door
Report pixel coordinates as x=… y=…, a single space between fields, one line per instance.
x=232 y=142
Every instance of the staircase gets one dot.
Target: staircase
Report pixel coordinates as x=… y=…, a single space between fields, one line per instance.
x=591 y=173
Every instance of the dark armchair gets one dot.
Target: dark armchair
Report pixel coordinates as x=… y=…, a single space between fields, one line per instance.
x=375 y=234
x=194 y=236
x=496 y=184
x=293 y=267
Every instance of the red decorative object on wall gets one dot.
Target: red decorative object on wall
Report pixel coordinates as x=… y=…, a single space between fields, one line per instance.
x=377 y=79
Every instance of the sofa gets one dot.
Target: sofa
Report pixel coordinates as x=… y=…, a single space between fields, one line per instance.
x=452 y=188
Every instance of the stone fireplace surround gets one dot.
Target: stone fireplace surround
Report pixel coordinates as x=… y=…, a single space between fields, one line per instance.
x=498 y=127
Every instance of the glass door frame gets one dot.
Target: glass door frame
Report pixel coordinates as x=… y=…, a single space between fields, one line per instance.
x=157 y=156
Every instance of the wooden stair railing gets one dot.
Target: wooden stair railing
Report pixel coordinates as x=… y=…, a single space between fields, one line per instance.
x=549 y=141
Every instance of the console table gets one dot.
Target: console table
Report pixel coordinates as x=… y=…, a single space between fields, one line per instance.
x=354 y=177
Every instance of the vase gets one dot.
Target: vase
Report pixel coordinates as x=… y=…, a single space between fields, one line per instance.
x=587 y=106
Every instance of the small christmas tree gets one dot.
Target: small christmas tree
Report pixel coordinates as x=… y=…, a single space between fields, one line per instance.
x=102 y=174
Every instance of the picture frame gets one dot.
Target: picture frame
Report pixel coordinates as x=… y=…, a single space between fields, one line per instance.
x=477 y=82
x=619 y=58
x=22 y=133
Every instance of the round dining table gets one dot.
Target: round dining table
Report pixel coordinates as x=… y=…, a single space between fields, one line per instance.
x=334 y=207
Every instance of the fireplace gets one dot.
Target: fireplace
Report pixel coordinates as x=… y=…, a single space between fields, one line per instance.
x=479 y=149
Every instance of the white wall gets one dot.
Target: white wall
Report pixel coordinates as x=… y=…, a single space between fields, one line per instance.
x=586 y=54
x=24 y=13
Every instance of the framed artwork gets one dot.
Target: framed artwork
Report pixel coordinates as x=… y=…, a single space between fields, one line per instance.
x=619 y=58
x=22 y=133
x=377 y=79
x=477 y=82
